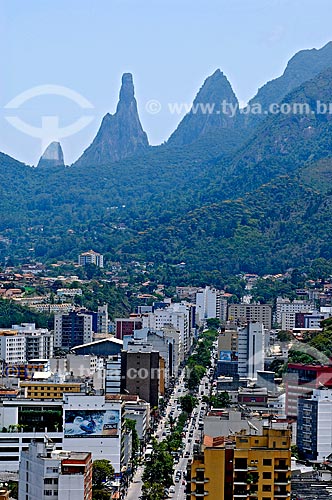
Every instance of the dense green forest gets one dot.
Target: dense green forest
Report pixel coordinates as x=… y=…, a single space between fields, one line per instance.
x=14 y=314
x=255 y=201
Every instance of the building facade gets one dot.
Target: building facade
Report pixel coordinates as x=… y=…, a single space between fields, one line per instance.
x=300 y=381
x=46 y=472
x=91 y=257
x=142 y=372
x=285 y=305
x=314 y=425
x=243 y=467
x=251 y=345
x=72 y=329
x=94 y=423
x=228 y=355
x=261 y=313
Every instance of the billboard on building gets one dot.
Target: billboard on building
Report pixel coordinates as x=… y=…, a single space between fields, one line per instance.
x=91 y=423
x=228 y=356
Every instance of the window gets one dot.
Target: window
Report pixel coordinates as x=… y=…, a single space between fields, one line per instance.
x=266 y=475
x=47 y=480
x=266 y=487
x=267 y=461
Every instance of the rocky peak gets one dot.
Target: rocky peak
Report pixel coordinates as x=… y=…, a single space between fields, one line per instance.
x=127 y=92
x=215 y=108
x=303 y=66
x=52 y=156
x=120 y=135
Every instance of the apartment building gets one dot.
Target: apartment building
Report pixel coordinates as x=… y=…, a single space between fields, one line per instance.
x=314 y=425
x=12 y=347
x=245 y=466
x=91 y=257
x=300 y=381
x=285 y=305
x=251 y=346
x=244 y=313
x=211 y=303
x=47 y=472
x=72 y=329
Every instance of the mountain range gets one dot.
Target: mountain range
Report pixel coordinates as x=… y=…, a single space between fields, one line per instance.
x=229 y=191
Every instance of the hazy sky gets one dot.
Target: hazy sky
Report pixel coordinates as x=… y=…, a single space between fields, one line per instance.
x=170 y=46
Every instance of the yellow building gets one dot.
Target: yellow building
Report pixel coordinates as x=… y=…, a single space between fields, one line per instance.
x=4 y=493
x=48 y=390
x=243 y=467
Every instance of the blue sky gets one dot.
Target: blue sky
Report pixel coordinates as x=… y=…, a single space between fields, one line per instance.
x=170 y=46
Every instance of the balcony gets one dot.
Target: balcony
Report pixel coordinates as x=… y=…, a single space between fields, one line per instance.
x=281 y=468
x=199 y=480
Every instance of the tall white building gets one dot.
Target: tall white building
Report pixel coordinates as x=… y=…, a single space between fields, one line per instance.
x=12 y=347
x=113 y=374
x=314 y=425
x=91 y=257
x=210 y=304
x=24 y=342
x=251 y=349
x=49 y=473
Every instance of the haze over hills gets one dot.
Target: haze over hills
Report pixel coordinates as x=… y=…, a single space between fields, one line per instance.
x=285 y=141
x=220 y=196
x=303 y=66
